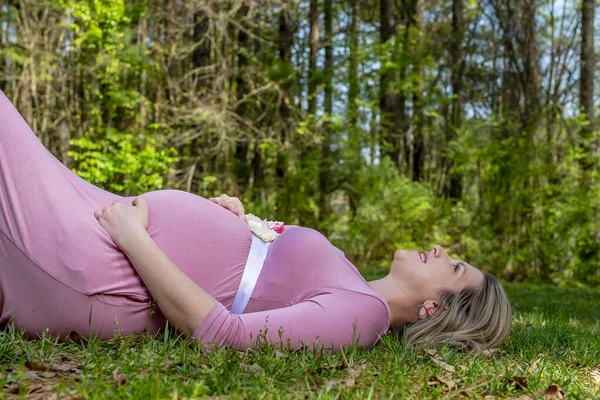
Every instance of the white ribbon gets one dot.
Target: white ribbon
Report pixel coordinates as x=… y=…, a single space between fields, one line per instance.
x=254 y=264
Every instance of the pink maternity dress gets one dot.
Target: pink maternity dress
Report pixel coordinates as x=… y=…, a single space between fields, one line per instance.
x=60 y=270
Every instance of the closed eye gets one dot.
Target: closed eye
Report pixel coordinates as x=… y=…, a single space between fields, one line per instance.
x=457 y=266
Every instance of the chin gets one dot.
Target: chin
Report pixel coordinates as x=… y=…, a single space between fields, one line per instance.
x=398 y=254
x=398 y=261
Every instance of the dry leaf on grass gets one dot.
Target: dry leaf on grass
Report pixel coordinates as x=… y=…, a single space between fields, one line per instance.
x=170 y=363
x=450 y=384
x=30 y=375
x=251 y=367
x=119 y=378
x=519 y=382
x=12 y=388
x=431 y=352
x=35 y=366
x=66 y=367
x=534 y=366
x=356 y=370
x=488 y=353
x=552 y=392
x=447 y=367
x=596 y=377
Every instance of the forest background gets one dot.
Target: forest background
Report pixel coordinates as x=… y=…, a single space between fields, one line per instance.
x=383 y=124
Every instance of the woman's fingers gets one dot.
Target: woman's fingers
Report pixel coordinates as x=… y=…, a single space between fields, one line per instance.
x=233 y=204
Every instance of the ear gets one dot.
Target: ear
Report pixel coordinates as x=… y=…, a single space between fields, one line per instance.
x=430 y=306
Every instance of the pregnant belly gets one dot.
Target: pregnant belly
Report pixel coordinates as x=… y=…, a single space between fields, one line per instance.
x=207 y=242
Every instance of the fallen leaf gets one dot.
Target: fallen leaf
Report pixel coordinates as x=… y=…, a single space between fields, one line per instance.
x=35 y=366
x=449 y=384
x=47 y=374
x=66 y=367
x=278 y=354
x=356 y=370
x=431 y=352
x=35 y=391
x=350 y=382
x=251 y=368
x=534 y=366
x=119 y=378
x=170 y=363
x=596 y=377
x=12 y=388
x=442 y=364
x=519 y=382
x=30 y=375
x=554 y=392
x=489 y=352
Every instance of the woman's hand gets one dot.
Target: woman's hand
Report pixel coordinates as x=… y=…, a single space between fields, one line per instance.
x=124 y=222
x=233 y=204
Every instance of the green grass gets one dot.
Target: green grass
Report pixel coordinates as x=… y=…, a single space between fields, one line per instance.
x=555 y=341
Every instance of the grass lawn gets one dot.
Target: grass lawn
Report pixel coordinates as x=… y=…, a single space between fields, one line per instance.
x=554 y=348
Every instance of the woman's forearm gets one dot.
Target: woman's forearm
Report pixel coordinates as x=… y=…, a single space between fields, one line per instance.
x=181 y=300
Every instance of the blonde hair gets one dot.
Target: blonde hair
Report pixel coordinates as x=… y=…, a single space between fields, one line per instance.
x=473 y=319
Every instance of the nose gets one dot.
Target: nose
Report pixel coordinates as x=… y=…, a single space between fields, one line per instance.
x=438 y=251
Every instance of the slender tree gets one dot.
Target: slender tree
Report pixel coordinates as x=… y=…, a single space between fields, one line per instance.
x=586 y=91
x=452 y=187
x=313 y=16
x=389 y=97
x=242 y=171
x=353 y=85
x=325 y=164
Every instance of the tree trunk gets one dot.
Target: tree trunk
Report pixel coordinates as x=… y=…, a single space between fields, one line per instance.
x=325 y=163
x=532 y=72
x=285 y=41
x=353 y=86
x=171 y=36
x=586 y=94
x=389 y=101
x=418 y=133
x=201 y=55
x=242 y=171
x=453 y=187
x=142 y=39
x=313 y=17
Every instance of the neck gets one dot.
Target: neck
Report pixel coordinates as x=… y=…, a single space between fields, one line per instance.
x=402 y=309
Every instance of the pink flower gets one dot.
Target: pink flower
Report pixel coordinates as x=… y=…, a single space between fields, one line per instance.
x=277 y=226
x=266 y=230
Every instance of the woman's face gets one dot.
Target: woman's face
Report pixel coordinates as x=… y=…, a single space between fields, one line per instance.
x=429 y=273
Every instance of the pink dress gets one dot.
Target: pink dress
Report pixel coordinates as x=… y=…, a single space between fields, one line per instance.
x=60 y=270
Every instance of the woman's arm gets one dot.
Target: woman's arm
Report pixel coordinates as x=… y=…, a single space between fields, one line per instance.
x=181 y=300
x=334 y=318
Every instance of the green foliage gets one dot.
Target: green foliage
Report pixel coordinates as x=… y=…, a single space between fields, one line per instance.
x=393 y=213
x=529 y=215
x=122 y=162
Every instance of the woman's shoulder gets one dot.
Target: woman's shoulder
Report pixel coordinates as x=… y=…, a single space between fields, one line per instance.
x=367 y=310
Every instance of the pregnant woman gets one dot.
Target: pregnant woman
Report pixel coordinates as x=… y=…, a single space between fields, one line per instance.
x=74 y=257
